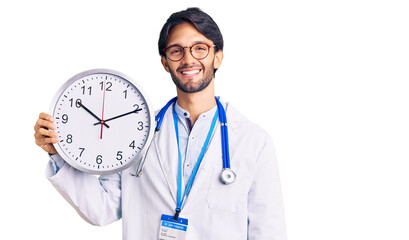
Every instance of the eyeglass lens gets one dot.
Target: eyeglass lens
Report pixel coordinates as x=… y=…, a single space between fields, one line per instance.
x=199 y=51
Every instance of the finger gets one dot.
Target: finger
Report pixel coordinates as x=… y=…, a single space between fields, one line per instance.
x=47 y=133
x=43 y=116
x=51 y=140
x=44 y=124
x=46 y=116
x=46 y=141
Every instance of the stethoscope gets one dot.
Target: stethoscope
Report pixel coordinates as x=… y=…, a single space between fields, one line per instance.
x=227 y=175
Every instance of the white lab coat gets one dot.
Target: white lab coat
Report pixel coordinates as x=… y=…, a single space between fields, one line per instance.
x=250 y=208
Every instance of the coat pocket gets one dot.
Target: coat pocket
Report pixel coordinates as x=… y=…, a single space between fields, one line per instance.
x=230 y=198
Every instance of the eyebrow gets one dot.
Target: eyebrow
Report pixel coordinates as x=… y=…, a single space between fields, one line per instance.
x=180 y=45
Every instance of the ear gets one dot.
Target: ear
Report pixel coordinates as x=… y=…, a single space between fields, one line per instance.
x=218 y=58
x=165 y=63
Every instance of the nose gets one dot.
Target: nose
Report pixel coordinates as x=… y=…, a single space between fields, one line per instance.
x=188 y=57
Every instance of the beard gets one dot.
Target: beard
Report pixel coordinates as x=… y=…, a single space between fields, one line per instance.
x=190 y=87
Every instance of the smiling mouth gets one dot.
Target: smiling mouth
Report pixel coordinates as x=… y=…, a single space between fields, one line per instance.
x=191 y=72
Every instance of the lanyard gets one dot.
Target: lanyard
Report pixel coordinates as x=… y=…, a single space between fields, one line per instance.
x=180 y=199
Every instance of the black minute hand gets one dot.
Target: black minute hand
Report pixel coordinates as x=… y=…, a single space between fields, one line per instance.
x=122 y=115
x=89 y=111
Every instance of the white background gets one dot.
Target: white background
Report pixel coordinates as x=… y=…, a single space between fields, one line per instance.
x=327 y=79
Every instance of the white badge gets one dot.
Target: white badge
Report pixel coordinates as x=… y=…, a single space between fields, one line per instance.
x=171 y=229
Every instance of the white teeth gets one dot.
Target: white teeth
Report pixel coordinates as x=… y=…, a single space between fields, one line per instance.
x=191 y=72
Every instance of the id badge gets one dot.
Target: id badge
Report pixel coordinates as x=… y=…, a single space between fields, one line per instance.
x=171 y=229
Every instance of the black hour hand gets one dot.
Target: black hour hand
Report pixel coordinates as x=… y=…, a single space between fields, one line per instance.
x=89 y=111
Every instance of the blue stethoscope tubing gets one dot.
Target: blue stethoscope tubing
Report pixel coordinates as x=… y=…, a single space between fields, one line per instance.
x=225 y=137
x=227 y=176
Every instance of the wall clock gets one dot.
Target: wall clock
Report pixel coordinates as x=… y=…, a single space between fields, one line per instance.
x=104 y=121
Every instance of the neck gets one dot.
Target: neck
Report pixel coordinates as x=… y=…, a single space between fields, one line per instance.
x=197 y=103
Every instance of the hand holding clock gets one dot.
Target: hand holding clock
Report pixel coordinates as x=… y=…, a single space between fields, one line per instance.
x=44 y=134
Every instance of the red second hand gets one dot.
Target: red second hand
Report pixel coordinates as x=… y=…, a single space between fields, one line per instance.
x=103 y=106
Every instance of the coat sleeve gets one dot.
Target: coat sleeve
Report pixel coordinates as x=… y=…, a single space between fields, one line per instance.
x=265 y=204
x=97 y=200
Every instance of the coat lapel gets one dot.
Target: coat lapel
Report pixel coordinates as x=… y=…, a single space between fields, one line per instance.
x=167 y=151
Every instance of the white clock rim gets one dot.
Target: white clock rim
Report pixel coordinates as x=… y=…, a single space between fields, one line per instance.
x=141 y=153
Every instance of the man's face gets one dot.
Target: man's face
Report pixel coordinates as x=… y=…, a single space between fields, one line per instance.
x=189 y=74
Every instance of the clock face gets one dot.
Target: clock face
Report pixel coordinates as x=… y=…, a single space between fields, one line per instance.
x=103 y=121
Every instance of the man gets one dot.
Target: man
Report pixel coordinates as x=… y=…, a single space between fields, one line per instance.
x=191 y=49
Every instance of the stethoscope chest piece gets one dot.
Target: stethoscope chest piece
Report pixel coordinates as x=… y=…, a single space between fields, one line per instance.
x=227 y=176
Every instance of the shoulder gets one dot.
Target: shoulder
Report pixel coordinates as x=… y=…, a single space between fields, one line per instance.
x=244 y=130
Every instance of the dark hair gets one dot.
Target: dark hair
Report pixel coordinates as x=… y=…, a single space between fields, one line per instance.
x=201 y=20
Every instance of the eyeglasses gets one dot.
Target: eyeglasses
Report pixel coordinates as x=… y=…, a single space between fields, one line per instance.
x=198 y=50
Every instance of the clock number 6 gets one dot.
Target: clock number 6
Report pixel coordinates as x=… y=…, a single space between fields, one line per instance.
x=99 y=159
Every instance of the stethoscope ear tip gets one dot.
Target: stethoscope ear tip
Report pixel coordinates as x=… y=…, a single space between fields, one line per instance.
x=227 y=176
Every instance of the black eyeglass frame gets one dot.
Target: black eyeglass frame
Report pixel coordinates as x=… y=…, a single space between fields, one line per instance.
x=190 y=50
